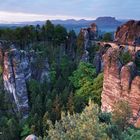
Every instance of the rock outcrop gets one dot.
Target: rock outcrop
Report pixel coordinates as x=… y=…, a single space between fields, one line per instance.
x=120 y=83
x=18 y=69
x=90 y=35
x=128 y=33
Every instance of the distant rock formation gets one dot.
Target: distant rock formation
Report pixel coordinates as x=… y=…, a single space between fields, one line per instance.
x=107 y=21
x=90 y=35
x=120 y=83
x=18 y=68
x=129 y=33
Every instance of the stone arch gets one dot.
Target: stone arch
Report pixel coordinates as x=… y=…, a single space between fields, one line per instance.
x=105 y=48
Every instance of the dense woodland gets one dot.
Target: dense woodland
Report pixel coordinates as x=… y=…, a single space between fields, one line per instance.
x=67 y=107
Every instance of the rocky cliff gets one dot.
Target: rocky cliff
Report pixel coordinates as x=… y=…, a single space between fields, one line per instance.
x=90 y=35
x=129 y=33
x=18 y=68
x=121 y=82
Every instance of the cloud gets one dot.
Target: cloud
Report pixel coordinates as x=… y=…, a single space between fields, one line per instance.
x=11 y=17
x=73 y=8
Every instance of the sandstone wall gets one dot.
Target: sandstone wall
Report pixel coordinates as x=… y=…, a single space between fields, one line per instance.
x=120 y=83
x=90 y=35
x=18 y=69
x=128 y=33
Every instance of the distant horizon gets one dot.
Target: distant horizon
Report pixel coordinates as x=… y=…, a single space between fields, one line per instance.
x=41 y=10
x=25 y=17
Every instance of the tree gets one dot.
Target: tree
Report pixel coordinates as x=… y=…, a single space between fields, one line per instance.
x=107 y=37
x=125 y=57
x=70 y=104
x=87 y=85
x=121 y=114
x=9 y=129
x=25 y=131
x=84 y=126
x=60 y=34
x=56 y=109
x=131 y=134
x=49 y=28
x=38 y=32
x=80 y=43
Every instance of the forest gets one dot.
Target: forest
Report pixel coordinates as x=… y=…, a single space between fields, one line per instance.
x=67 y=106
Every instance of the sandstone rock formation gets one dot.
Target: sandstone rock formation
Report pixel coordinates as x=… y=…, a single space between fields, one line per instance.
x=90 y=35
x=14 y=79
x=128 y=33
x=98 y=59
x=17 y=68
x=120 y=83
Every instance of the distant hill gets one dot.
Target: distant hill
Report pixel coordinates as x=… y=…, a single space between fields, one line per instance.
x=105 y=24
x=107 y=21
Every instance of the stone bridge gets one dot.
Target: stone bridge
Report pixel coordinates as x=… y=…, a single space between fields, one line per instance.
x=133 y=48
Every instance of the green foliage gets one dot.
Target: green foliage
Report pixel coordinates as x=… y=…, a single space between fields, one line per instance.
x=87 y=85
x=1 y=70
x=121 y=113
x=9 y=129
x=69 y=90
x=70 y=104
x=131 y=134
x=60 y=34
x=80 y=43
x=107 y=37
x=125 y=57
x=25 y=131
x=84 y=72
x=92 y=52
x=79 y=126
x=49 y=28
x=72 y=34
x=56 y=109
x=50 y=97
x=105 y=117
x=97 y=88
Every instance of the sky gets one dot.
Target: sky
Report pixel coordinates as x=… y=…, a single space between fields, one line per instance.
x=32 y=10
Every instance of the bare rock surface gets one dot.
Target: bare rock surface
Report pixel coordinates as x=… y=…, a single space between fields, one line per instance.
x=17 y=68
x=120 y=83
x=128 y=33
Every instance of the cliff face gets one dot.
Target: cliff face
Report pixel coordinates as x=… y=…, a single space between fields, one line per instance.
x=129 y=33
x=120 y=83
x=14 y=79
x=89 y=34
x=17 y=70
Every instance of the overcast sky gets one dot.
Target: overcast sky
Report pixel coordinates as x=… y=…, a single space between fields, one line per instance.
x=30 y=10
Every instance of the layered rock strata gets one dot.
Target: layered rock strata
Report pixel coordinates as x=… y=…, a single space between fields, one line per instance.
x=90 y=35
x=17 y=68
x=120 y=83
x=128 y=33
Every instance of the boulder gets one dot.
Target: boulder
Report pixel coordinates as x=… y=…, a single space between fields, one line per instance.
x=31 y=137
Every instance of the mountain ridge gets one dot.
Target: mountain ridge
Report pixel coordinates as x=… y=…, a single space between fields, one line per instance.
x=109 y=24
